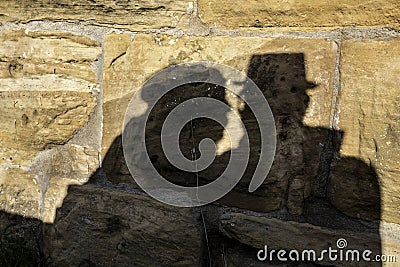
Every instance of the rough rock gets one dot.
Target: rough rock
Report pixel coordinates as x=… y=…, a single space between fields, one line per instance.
x=363 y=181
x=258 y=231
x=69 y=165
x=310 y=14
x=48 y=91
x=134 y=15
x=103 y=227
x=20 y=193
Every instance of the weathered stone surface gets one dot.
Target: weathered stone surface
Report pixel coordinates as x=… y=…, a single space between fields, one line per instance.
x=368 y=113
x=48 y=90
x=284 y=69
x=51 y=123
x=69 y=165
x=264 y=14
x=134 y=15
x=279 y=234
x=35 y=120
x=19 y=193
x=104 y=227
x=24 y=53
x=296 y=195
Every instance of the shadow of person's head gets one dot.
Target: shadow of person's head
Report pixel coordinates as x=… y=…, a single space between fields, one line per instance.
x=282 y=79
x=193 y=131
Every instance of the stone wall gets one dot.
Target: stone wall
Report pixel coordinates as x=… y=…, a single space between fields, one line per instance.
x=330 y=72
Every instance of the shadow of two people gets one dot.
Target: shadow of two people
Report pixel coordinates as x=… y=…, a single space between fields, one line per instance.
x=308 y=180
x=332 y=190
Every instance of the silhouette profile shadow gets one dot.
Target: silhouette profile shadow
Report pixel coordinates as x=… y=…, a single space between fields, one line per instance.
x=307 y=156
x=308 y=182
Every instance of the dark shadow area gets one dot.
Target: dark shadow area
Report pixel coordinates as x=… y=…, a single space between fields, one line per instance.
x=190 y=136
x=21 y=241
x=192 y=133
x=308 y=181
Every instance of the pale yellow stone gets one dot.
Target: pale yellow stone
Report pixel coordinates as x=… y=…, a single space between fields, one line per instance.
x=48 y=91
x=35 y=120
x=31 y=53
x=55 y=194
x=85 y=161
x=20 y=193
x=369 y=114
x=135 y=15
x=309 y=14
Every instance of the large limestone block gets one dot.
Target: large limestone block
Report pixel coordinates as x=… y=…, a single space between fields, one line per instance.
x=134 y=15
x=368 y=113
x=259 y=231
x=295 y=75
x=48 y=91
x=103 y=227
x=325 y=13
x=35 y=120
x=25 y=53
